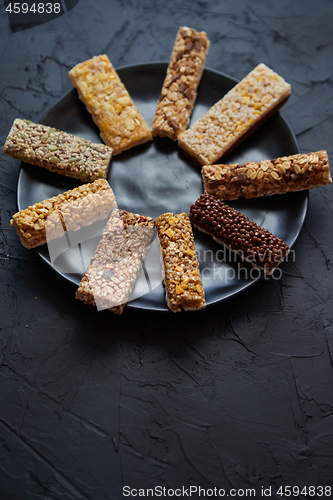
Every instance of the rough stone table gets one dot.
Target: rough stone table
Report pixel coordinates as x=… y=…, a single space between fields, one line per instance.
x=235 y=396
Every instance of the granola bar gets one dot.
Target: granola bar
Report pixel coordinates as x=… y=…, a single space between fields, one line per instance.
x=58 y=151
x=234 y=117
x=179 y=89
x=114 y=268
x=74 y=209
x=107 y=100
x=183 y=285
x=251 y=180
x=238 y=233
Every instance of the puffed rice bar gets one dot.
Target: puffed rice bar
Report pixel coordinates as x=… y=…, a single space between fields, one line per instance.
x=234 y=117
x=114 y=268
x=183 y=285
x=238 y=233
x=71 y=210
x=179 y=89
x=107 y=100
x=251 y=180
x=57 y=151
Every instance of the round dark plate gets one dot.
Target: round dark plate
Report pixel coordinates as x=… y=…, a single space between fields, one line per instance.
x=156 y=177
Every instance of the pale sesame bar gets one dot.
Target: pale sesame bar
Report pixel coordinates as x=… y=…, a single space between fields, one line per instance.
x=119 y=256
x=182 y=279
x=238 y=233
x=283 y=175
x=76 y=208
x=107 y=100
x=234 y=117
x=179 y=89
x=58 y=151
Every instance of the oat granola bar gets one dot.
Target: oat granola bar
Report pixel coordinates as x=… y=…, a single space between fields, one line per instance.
x=74 y=209
x=114 y=268
x=234 y=117
x=179 y=89
x=238 y=233
x=107 y=100
x=183 y=285
x=251 y=180
x=58 y=151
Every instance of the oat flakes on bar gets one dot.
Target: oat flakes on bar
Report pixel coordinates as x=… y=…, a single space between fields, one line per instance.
x=107 y=100
x=57 y=151
x=234 y=117
x=264 y=178
x=182 y=279
x=179 y=89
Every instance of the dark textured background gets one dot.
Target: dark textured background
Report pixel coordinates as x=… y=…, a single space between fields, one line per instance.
x=235 y=396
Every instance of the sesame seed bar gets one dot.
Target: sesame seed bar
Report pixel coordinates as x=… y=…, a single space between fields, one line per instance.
x=183 y=285
x=57 y=151
x=179 y=89
x=114 y=268
x=238 y=233
x=107 y=100
x=234 y=117
x=264 y=178
x=76 y=208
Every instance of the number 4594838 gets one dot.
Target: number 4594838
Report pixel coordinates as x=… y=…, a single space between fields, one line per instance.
x=35 y=8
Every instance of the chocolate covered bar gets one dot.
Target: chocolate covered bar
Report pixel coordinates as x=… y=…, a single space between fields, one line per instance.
x=234 y=117
x=58 y=151
x=107 y=100
x=114 y=268
x=183 y=285
x=283 y=175
x=71 y=210
x=179 y=89
x=238 y=233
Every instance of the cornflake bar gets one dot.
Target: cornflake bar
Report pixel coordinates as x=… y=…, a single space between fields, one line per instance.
x=181 y=270
x=114 y=268
x=76 y=208
x=234 y=117
x=179 y=89
x=251 y=180
x=112 y=109
x=238 y=233
x=58 y=151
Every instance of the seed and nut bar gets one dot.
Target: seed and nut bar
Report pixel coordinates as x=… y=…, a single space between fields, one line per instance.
x=234 y=117
x=264 y=178
x=76 y=208
x=114 y=268
x=58 y=151
x=238 y=233
x=107 y=100
x=183 y=285
x=179 y=89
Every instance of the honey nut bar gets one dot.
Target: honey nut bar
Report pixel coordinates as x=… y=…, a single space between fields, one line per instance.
x=234 y=117
x=238 y=233
x=283 y=175
x=76 y=208
x=107 y=100
x=183 y=285
x=57 y=151
x=114 y=268
x=179 y=89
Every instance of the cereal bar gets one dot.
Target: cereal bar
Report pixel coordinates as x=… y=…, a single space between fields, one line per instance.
x=238 y=233
x=234 y=117
x=76 y=208
x=181 y=269
x=57 y=151
x=251 y=180
x=114 y=268
x=179 y=89
x=107 y=100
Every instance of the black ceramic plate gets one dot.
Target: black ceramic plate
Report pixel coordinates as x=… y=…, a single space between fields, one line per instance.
x=155 y=178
